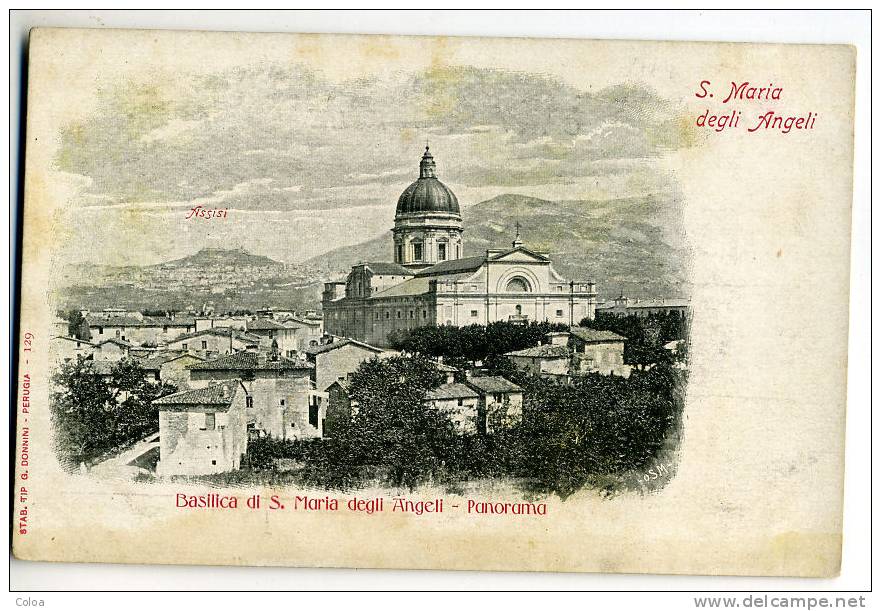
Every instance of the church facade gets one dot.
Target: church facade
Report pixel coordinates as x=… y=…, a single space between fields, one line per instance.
x=430 y=282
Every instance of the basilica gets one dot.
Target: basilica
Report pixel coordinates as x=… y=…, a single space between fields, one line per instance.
x=430 y=282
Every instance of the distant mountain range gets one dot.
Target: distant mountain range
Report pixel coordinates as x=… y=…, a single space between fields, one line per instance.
x=635 y=246
x=213 y=257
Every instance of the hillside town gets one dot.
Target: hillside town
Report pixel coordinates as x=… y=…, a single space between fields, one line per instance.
x=226 y=381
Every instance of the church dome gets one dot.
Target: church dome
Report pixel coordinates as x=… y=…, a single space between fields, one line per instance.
x=427 y=194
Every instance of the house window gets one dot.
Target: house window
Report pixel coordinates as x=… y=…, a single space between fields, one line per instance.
x=209 y=421
x=249 y=401
x=460 y=402
x=417 y=252
x=272 y=333
x=411 y=313
x=387 y=315
x=204 y=345
x=424 y=314
x=313 y=415
x=399 y=313
x=100 y=330
x=399 y=253
x=559 y=313
x=184 y=346
x=165 y=328
x=213 y=462
x=473 y=313
x=441 y=252
x=497 y=397
x=281 y=402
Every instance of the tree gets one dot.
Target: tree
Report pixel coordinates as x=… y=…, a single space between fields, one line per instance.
x=92 y=413
x=393 y=431
x=77 y=325
x=472 y=342
x=597 y=426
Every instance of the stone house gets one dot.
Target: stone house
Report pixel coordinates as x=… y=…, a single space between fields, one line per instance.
x=202 y=431
x=307 y=332
x=624 y=306
x=597 y=351
x=499 y=404
x=283 y=402
x=172 y=367
x=338 y=359
x=270 y=331
x=111 y=350
x=137 y=328
x=64 y=349
x=544 y=360
x=459 y=402
x=211 y=342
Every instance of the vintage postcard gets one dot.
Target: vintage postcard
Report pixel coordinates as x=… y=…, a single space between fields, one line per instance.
x=434 y=303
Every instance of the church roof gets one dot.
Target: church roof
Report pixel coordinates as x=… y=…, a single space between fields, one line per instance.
x=413 y=286
x=385 y=268
x=454 y=266
x=427 y=194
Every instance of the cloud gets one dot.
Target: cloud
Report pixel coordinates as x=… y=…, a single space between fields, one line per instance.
x=283 y=139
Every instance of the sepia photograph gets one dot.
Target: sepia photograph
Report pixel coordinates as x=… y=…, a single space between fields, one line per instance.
x=472 y=303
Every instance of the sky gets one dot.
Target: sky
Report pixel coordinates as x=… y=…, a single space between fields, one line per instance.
x=304 y=163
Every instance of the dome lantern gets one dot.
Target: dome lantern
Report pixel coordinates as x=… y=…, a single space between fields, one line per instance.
x=427 y=166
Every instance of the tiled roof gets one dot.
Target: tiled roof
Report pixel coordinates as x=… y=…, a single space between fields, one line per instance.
x=158 y=360
x=646 y=303
x=215 y=395
x=451 y=391
x=453 y=266
x=127 y=320
x=490 y=384
x=221 y=332
x=342 y=383
x=114 y=321
x=264 y=324
x=659 y=303
x=73 y=339
x=293 y=322
x=251 y=361
x=386 y=268
x=115 y=340
x=339 y=343
x=596 y=335
x=546 y=351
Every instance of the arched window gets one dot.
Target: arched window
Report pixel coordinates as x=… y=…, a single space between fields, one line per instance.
x=518 y=284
